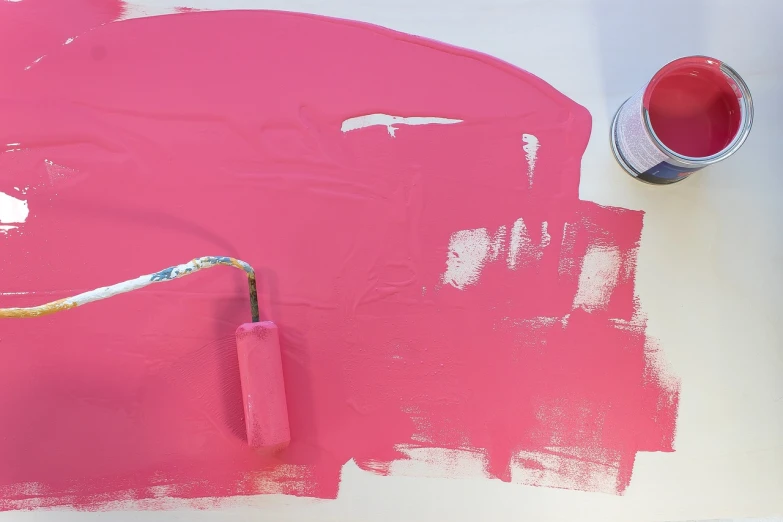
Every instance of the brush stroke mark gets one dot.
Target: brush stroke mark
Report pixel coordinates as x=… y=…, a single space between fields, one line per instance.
x=180 y=149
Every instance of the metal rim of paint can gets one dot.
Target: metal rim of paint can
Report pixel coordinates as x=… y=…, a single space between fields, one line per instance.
x=688 y=162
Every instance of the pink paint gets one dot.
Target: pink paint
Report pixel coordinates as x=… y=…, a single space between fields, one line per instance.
x=263 y=389
x=183 y=144
x=694 y=109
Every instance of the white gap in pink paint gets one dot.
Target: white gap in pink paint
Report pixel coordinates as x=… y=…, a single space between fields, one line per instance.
x=468 y=252
x=528 y=323
x=34 y=62
x=598 y=277
x=13 y=211
x=498 y=243
x=388 y=121
x=531 y=154
x=471 y=250
x=522 y=250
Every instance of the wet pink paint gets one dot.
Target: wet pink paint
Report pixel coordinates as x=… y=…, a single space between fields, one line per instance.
x=155 y=140
x=694 y=109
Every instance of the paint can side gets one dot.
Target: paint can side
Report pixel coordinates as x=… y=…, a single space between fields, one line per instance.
x=641 y=151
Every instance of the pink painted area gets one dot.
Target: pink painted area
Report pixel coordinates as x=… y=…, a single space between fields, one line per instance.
x=263 y=387
x=184 y=143
x=33 y=28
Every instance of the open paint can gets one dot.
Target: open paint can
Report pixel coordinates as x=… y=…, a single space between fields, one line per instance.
x=694 y=112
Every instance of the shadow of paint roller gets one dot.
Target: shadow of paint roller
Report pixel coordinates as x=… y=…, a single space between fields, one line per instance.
x=258 y=349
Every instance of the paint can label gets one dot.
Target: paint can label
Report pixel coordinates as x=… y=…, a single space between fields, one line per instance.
x=635 y=148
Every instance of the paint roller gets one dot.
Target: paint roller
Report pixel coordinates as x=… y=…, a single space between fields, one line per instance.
x=258 y=349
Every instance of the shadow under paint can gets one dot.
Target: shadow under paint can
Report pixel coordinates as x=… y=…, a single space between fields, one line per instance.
x=694 y=112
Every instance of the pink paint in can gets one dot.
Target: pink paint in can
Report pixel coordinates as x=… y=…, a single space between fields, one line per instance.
x=694 y=112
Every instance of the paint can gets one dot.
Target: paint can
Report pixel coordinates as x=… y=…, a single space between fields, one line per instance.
x=694 y=112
